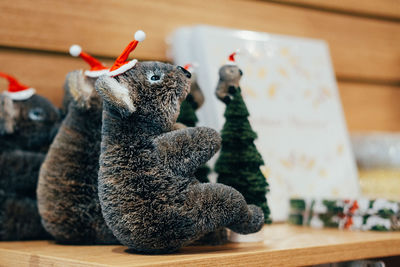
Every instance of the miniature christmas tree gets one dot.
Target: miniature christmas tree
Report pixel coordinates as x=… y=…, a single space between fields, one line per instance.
x=239 y=162
x=187 y=114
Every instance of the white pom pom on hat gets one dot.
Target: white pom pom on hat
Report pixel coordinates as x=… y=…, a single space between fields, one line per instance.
x=75 y=50
x=140 y=36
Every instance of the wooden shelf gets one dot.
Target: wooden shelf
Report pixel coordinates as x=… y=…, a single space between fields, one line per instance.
x=283 y=245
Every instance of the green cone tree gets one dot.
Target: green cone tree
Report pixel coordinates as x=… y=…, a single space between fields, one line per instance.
x=239 y=161
x=187 y=116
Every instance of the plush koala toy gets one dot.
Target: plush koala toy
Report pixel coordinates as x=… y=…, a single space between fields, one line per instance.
x=195 y=96
x=229 y=77
x=67 y=189
x=28 y=123
x=148 y=194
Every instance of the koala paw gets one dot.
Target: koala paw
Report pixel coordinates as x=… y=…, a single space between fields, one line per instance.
x=232 y=90
x=227 y=99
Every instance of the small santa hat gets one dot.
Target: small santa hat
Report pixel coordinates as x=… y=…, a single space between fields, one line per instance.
x=96 y=67
x=191 y=67
x=16 y=90
x=231 y=58
x=121 y=64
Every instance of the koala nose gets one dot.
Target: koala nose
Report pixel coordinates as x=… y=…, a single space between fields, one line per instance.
x=240 y=72
x=186 y=72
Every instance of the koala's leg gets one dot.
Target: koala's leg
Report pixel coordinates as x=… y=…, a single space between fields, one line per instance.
x=187 y=149
x=19 y=171
x=214 y=206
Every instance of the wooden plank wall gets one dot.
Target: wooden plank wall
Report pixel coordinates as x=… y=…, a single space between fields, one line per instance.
x=364 y=38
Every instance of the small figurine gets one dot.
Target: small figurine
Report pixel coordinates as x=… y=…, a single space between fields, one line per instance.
x=67 y=190
x=28 y=123
x=148 y=194
x=229 y=77
x=239 y=161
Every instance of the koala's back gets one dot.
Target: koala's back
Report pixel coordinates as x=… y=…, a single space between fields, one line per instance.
x=67 y=189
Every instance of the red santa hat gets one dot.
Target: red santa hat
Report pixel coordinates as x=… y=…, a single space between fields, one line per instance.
x=189 y=67
x=121 y=64
x=231 y=58
x=16 y=90
x=96 y=67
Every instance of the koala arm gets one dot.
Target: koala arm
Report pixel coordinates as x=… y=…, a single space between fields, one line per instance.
x=185 y=150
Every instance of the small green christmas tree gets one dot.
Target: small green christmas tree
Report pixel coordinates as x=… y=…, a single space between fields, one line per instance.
x=239 y=162
x=187 y=114
x=188 y=117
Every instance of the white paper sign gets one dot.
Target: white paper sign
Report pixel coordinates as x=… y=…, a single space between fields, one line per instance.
x=291 y=93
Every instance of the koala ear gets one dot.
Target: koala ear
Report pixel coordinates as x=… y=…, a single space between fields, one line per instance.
x=115 y=94
x=79 y=87
x=8 y=115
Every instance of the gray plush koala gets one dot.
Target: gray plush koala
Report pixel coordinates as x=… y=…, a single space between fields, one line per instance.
x=148 y=194
x=228 y=84
x=27 y=128
x=195 y=96
x=67 y=189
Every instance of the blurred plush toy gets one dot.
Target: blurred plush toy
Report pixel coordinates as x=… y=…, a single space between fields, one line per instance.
x=149 y=196
x=229 y=77
x=239 y=162
x=28 y=123
x=67 y=190
x=187 y=115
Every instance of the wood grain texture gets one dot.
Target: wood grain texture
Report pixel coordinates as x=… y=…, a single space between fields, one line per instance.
x=283 y=245
x=366 y=106
x=377 y=8
x=42 y=71
x=361 y=47
x=370 y=107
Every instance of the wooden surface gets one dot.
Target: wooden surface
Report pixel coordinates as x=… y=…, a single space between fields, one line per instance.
x=371 y=107
x=366 y=106
x=360 y=47
x=283 y=245
x=389 y=9
x=365 y=48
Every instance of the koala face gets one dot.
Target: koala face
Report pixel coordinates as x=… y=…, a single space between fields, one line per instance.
x=29 y=124
x=151 y=91
x=230 y=73
x=79 y=90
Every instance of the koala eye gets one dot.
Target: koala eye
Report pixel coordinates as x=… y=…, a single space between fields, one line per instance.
x=37 y=114
x=155 y=78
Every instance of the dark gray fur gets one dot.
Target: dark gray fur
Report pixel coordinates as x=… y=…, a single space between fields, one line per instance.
x=19 y=218
x=67 y=190
x=229 y=77
x=27 y=128
x=148 y=194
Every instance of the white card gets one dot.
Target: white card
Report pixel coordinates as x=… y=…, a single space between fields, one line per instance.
x=290 y=91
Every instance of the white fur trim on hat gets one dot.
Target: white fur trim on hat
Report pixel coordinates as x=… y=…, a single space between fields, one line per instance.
x=95 y=73
x=231 y=63
x=21 y=95
x=123 y=68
